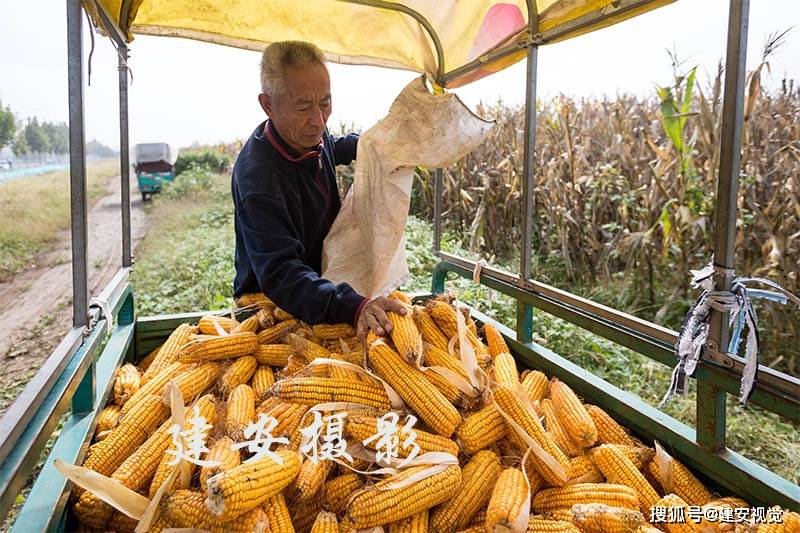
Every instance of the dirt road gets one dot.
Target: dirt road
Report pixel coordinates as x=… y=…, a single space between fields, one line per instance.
x=35 y=307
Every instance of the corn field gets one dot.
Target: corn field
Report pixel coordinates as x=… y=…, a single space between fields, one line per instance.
x=624 y=197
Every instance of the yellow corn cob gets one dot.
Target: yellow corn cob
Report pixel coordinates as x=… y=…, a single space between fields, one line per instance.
x=563 y=514
x=241 y=411
x=608 y=431
x=572 y=414
x=311 y=391
x=263 y=379
x=496 y=342
x=444 y=315
x=790 y=523
x=208 y=324
x=325 y=523
x=163 y=470
x=619 y=469
x=310 y=480
x=278 y=518
x=297 y=363
x=238 y=372
x=126 y=383
x=282 y=315
x=214 y=348
x=583 y=470
x=535 y=481
x=684 y=484
x=536 y=385
x=417 y=523
x=222 y=451
x=600 y=518
x=405 y=336
x=452 y=393
x=434 y=356
x=265 y=317
x=287 y=414
x=333 y=331
x=195 y=381
x=338 y=490
x=361 y=427
x=273 y=354
x=255 y=299
x=480 y=517
x=304 y=514
x=539 y=524
x=250 y=324
x=153 y=387
x=507 y=501
x=614 y=495
x=410 y=383
x=276 y=333
x=478 y=480
x=168 y=353
x=236 y=491
x=430 y=332
x=505 y=370
x=480 y=430
x=106 y=456
x=148 y=359
x=400 y=296
x=381 y=505
x=136 y=469
x=186 y=508
x=306 y=348
x=688 y=525
x=122 y=523
x=554 y=427
x=515 y=407
x=639 y=455
x=107 y=418
x=253 y=520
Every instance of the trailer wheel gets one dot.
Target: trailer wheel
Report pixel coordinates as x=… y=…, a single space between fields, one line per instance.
x=145 y=197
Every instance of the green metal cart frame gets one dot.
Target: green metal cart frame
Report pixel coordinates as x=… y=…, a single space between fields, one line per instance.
x=75 y=381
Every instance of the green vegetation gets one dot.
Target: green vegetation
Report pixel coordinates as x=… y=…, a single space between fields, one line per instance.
x=33 y=210
x=186 y=260
x=209 y=159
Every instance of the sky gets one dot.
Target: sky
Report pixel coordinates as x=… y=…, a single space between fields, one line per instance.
x=186 y=91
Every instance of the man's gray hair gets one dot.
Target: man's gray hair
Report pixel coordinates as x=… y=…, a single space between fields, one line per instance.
x=278 y=56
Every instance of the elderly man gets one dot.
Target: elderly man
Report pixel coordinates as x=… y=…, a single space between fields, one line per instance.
x=286 y=198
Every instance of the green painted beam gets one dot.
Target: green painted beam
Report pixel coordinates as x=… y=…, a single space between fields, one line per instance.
x=723 y=378
x=45 y=504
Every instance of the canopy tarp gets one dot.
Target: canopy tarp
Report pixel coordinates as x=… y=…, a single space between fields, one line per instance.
x=454 y=42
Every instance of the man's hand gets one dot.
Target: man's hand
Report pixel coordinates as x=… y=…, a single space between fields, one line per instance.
x=373 y=317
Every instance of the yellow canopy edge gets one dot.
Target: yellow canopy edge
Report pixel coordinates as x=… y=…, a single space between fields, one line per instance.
x=453 y=42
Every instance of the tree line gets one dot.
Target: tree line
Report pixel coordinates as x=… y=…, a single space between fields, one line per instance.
x=32 y=137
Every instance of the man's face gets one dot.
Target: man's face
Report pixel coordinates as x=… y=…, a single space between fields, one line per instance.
x=301 y=112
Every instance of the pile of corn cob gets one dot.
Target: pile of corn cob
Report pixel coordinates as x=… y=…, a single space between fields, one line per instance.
x=597 y=478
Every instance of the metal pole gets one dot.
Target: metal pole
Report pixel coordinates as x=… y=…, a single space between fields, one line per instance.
x=525 y=312
x=438 y=196
x=124 y=159
x=77 y=166
x=711 y=400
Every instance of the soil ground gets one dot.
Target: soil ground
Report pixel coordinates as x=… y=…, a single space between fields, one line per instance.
x=35 y=306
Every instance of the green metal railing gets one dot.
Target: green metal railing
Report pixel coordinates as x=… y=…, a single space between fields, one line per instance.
x=725 y=467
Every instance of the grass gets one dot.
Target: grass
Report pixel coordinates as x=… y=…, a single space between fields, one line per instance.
x=34 y=210
x=186 y=260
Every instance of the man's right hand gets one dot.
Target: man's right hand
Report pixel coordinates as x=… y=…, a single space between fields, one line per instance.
x=373 y=317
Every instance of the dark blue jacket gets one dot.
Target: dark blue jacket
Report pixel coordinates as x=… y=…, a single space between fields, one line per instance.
x=284 y=206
